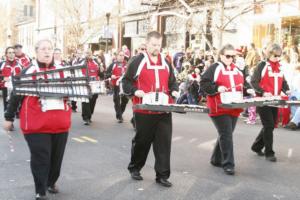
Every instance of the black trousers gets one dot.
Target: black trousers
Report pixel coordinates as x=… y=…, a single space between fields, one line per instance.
x=88 y=107
x=223 y=151
x=46 y=151
x=157 y=130
x=120 y=101
x=4 y=96
x=74 y=105
x=268 y=116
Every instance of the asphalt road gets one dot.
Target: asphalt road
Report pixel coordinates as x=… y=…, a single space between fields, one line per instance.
x=96 y=159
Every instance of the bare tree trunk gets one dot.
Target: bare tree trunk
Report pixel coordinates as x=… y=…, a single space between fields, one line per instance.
x=222 y=7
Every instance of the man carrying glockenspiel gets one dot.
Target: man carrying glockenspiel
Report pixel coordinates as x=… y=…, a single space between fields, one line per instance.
x=150 y=73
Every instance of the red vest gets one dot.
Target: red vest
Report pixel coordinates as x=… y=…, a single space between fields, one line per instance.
x=272 y=78
x=23 y=60
x=9 y=68
x=34 y=120
x=118 y=71
x=152 y=77
x=93 y=69
x=230 y=78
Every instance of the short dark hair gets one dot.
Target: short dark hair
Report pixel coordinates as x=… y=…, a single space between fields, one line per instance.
x=7 y=48
x=57 y=49
x=18 y=46
x=153 y=34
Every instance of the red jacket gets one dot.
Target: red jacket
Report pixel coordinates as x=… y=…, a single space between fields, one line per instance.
x=118 y=71
x=9 y=68
x=34 y=120
x=221 y=77
x=272 y=78
x=24 y=60
x=146 y=79
x=93 y=69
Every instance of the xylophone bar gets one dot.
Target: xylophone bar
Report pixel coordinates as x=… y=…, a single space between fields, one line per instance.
x=181 y=108
x=262 y=103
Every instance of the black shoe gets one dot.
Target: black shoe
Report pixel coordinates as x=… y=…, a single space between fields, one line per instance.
x=291 y=126
x=136 y=175
x=53 y=189
x=258 y=152
x=132 y=122
x=271 y=158
x=12 y=128
x=74 y=110
x=163 y=182
x=120 y=119
x=229 y=171
x=86 y=122
x=215 y=164
x=41 y=197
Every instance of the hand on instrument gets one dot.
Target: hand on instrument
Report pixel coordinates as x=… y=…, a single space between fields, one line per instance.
x=222 y=89
x=288 y=92
x=251 y=92
x=267 y=94
x=139 y=93
x=7 y=125
x=113 y=76
x=175 y=94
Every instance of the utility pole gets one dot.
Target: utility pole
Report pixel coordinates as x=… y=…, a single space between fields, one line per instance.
x=222 y=7
x=107 y=31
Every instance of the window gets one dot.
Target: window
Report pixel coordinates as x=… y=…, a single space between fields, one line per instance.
x=31 y=11
x=25 y=10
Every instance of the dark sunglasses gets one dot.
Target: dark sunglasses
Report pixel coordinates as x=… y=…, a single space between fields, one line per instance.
x=143 y=49
x=277 y=56
x=230 y=56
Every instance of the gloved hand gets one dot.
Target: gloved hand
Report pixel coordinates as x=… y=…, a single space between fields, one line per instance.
x=222 y=89
x=139 y=93
x=289 y=92
x=267 y=94
x=251 y=91
x=113 y=76
x=175 y=94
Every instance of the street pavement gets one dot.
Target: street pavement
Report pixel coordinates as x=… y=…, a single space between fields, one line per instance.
x=96 y=159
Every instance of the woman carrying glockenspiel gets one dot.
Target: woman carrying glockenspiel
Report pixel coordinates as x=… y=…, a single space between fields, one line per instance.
x=268 y=80
x=223 y=79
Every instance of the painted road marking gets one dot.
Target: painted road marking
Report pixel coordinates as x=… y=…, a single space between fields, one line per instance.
x=78 y=140
x=176 y=138
x=89 y=139
x=209 y=145
x=290 y=152
x=193 y=140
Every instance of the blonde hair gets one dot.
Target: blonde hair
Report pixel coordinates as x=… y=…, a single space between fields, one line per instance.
x=272 y=49
x=38 y=44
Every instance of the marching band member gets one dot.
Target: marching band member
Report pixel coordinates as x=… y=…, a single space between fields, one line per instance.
x=116 y=71
x=45 y=127
x=76 y=61
x=267 y=81
x=223 y=79
x=21 y=57
x=58 y=57
x=150 y=72
x=8 y=67
x=94 y=74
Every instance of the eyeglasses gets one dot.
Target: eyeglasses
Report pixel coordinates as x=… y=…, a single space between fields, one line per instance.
x=143 y=49
x=230 y=56
x=277 y=56
x=12 y=52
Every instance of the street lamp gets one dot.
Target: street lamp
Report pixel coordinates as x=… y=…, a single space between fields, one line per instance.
x=107 y=31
